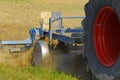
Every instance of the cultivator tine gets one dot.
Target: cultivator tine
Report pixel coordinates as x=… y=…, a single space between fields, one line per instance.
x=13 y=48
x=20 y=49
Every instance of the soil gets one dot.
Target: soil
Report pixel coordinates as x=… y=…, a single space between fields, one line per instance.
x=72 y=62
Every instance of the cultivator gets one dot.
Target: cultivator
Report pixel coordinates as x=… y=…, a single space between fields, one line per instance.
x=52 y=28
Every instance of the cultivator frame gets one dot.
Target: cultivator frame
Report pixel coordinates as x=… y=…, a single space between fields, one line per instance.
x=57 y=32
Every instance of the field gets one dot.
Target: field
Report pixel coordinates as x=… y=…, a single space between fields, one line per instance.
x=31 y=73
x=16 y=18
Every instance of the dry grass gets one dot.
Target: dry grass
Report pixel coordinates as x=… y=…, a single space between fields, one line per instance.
x=9 y=31
x=27 y=13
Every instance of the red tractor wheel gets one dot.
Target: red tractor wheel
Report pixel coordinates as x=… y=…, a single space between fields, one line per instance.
x=102 y=41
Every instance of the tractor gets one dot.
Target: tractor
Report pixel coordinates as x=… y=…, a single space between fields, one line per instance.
x=98 y=34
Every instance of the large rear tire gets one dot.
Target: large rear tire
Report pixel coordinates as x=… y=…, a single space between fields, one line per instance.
x=102 y=41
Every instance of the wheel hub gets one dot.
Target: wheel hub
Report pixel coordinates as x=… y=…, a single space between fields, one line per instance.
x=106 y=36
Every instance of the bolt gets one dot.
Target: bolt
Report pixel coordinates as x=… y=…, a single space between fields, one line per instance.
x=99 y=25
